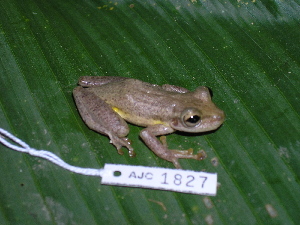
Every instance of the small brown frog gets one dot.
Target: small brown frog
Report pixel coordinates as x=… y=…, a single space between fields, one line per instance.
x=105 y=103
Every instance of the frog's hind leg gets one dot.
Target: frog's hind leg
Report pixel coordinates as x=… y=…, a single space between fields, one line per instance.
x=99 y=116
x=92 y=81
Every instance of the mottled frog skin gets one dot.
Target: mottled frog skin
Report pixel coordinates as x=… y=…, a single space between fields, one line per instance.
x=106 y=103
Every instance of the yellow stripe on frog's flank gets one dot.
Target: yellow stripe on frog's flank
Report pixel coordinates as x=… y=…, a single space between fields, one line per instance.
x=157 y=122
x=140 y=120
x=119 y=111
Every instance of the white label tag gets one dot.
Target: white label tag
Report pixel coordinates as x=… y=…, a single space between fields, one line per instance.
x=186 y=181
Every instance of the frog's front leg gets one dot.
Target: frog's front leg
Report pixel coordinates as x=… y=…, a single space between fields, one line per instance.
x=99 y=116
x=161 y=149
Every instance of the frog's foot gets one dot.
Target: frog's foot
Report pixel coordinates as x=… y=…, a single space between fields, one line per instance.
x=122 y=142
x=174 y=155
x=188 y=154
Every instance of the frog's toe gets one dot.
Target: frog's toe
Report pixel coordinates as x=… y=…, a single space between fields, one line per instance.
x=176 y=163
x=201 y=155
x=122 y=142
x=120 y=151
x=188 y=154
x=131 y=153
x=182 y=154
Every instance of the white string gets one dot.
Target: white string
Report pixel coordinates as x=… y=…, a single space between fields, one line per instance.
x=45 y=155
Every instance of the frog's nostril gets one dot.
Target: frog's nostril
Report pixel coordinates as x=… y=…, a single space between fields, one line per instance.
x=216 y=117
x=219 y=117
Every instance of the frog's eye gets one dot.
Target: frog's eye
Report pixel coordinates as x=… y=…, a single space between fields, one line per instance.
x=191 y=117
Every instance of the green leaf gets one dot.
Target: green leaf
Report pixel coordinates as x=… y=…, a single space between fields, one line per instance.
x=247 y=52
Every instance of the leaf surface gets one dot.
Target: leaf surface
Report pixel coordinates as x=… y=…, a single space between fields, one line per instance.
x=247 y=52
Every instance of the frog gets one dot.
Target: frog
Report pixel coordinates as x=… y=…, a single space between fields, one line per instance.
x=108 y=103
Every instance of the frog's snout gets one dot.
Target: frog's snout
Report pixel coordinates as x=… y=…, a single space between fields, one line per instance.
x=220 y=116
x=217 y=119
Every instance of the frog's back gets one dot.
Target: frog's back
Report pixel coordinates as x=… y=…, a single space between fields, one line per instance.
x=138 y=102
x=115 y=91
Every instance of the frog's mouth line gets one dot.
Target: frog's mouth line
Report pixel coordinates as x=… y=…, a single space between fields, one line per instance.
x=212 y=123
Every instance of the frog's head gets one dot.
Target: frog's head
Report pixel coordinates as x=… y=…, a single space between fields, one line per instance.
x=202 y=116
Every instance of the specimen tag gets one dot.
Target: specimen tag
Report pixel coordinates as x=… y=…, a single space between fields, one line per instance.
x=122 y=175
x=186 y=181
